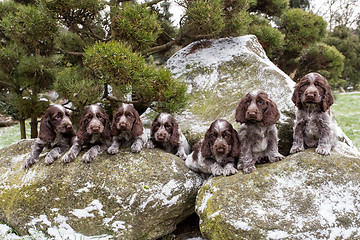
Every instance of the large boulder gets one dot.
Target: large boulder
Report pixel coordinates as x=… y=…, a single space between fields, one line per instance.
x=126 y=196
x=305 y=196
x=220 y=72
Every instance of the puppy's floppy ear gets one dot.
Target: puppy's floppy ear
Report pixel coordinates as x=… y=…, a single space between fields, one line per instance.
x=106 y=134
x=82 y=133
x=137 y=128
x=271 y=113
x=241 y=111
x=47 y=132
x=235 y=152
x=175 y=136
x=206 y=145
x=328 y=97
x=296 y=97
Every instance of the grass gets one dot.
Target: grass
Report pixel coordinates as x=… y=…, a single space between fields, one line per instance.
x=11 y=134
x=347 y=113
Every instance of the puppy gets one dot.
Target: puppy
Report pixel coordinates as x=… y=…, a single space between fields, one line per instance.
x=217 y=152
x=127 y=129
x=56 y=133
x=314 y=124
x=165 y=134
x=94 y=131
x=258 y=134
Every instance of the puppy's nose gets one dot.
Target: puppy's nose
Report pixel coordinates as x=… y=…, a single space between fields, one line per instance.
x=96 y=127
x=252 y=114
x=123 y=125
x=67 y=125
x=161 y=136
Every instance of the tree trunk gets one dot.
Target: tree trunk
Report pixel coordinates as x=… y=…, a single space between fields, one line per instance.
x=22 y=128
x=33 y=124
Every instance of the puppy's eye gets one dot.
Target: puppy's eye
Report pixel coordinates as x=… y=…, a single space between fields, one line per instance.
x=58 y=116
x=99 y=116
x=129 y=115
x=260 y=102
x=212 y=136
x=167 y=126
x=227 y=135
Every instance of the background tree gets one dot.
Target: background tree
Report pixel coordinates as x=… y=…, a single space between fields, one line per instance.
x=348 y=43
x=27 y=58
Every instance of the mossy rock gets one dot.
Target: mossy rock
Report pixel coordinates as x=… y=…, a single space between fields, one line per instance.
x=220 y=72
x=126 y=196
x=305 y=196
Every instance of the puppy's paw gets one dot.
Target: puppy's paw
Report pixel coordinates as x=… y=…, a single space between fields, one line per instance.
x=295 y=149
x=217 y=170
x=150 y=145
x=88 y=157
x=49 y=160
x=276 y=158
x=113 y=150
x=181 y=154
x=229 y=169
x=28 y=162
x=51 y=157
x=323 y=150
x=68 y=157
x=136 y=147
x=249 y=169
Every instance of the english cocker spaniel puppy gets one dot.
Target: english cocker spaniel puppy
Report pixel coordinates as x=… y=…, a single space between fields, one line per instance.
x=127 y=129
x=257 y=114
x=56 y=133
x=314 y=123
x=217 y=152
x=165 y=134
x=94 y=132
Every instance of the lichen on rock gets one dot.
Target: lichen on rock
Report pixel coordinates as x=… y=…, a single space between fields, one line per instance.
x=126 y=196
x=305 y=196
x=219 y=74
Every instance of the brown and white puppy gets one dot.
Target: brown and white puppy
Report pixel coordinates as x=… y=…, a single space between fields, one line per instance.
x=314 y=125
x=258 y=134
x=56 y=133
x=127 y=129
x=94 y=131
x=217 y=152
x=165 y=134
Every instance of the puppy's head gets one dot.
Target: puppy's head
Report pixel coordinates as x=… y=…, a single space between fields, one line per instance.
x=221 y=140
x=256 y=106
x=313 y=89
x=126 y=118
x=55 y=120
x=165 y=129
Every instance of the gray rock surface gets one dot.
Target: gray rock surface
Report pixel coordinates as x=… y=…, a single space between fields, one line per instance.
x=305 y=196
x=126 y=196
x=220 y=72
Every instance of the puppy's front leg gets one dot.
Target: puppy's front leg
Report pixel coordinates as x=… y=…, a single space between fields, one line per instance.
x=230 y=169
x=298 y=136
x=214 y=167
x=324 y=143
x=246 y=160
x=181 y=152
x=137 y=145
x=35 y=152
x=114 y=148
x=55 y=153
x=272 y=149
x=72 y=153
